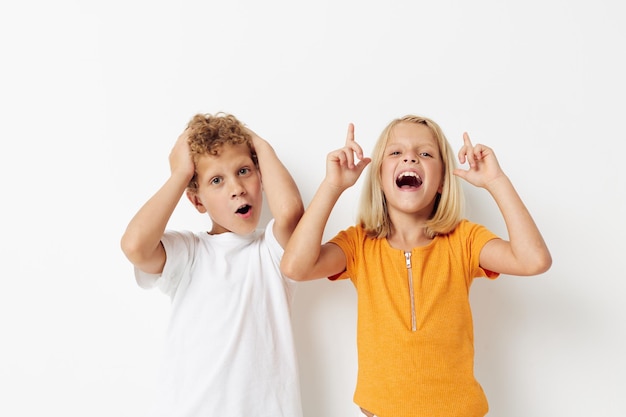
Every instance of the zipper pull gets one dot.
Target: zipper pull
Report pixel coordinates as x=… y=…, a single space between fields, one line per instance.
x=407 y=258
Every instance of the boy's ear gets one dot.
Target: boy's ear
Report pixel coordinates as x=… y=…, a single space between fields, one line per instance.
x=193 y=197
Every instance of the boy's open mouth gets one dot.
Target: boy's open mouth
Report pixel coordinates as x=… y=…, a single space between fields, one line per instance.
x=244 y=209
x=408 y=180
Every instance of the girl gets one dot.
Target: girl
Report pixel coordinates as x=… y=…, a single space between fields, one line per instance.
x=412 y=258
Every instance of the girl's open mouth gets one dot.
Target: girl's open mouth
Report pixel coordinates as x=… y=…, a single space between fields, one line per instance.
x=408 y=180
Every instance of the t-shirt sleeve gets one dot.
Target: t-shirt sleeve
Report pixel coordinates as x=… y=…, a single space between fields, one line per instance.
x=179 y=251
x=276 y=252
x=478 y=236
x=345 y=241
x=273 y=245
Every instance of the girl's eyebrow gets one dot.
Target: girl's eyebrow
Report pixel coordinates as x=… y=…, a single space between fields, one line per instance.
x=392 y=144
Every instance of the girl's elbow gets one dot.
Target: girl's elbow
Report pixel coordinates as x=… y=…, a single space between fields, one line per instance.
x=290 y=270
x=298 y=268
x=541 y=264
x=546 y=262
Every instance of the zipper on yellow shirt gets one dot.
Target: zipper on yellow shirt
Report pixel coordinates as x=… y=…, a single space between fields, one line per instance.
x=407 y=257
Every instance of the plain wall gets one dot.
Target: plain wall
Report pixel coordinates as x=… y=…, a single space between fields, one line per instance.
x=94 y=94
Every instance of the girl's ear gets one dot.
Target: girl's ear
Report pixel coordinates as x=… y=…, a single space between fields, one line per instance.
x=193 y=197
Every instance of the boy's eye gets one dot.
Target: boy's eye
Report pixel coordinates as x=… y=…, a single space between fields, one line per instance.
x=244 y=171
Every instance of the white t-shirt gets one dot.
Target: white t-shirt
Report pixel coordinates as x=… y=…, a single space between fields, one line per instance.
x=229 y=348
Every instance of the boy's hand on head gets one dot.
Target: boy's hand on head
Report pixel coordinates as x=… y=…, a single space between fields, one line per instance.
x=251 y=132
x=341 y=170
x=181 y=161
x=482 y=161
x=253 y=136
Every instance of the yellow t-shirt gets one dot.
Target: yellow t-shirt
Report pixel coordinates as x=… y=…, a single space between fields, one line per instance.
x=416 y=359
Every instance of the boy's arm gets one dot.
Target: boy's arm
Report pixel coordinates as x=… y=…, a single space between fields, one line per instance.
x=141 y=242
x=305 y=257
x=525 y=253
x=283 y=196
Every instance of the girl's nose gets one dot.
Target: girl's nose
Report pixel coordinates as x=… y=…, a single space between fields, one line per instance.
x=412 y=159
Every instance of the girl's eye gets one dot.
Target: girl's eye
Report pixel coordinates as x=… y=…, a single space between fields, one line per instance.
x=394 y=153
x=216 y=181
x=426 y=154
x=244 y=171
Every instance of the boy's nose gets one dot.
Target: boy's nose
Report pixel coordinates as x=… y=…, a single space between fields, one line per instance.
x=238 y=193
x=238 y=190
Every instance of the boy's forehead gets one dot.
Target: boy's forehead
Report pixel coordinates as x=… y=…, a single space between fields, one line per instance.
x=228 y=154
x=228 y=150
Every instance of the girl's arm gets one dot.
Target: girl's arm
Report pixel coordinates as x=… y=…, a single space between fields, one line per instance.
x=305 y=257
x=525 y=253
x=283 y=196
x=141 y=242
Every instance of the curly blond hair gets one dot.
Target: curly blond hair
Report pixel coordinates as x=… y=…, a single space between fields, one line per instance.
x=209 y=133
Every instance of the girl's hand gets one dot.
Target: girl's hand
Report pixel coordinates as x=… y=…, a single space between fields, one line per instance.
x=483 y=164
x=341 y=170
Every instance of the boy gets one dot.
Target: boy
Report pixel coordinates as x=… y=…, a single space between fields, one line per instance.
x=229 y=348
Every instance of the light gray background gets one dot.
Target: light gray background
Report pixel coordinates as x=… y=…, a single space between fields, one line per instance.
x=94 y=94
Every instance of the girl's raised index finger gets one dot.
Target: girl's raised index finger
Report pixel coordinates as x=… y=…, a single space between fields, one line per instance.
x=466 y=139
x=351 y=143
x=464 y=154
x=350 y=134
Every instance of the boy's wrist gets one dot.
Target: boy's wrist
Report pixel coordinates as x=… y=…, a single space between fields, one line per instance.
x=181 y=176
x=259 y=143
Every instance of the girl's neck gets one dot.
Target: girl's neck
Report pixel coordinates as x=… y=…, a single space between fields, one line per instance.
x=406 y=235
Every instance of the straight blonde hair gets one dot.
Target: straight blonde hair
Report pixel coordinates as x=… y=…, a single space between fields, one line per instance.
x=448 y=211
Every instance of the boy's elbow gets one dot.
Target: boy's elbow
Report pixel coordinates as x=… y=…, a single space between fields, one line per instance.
x=289 y=215
x=127 y=246
x=133 y=249
x=294 y=211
